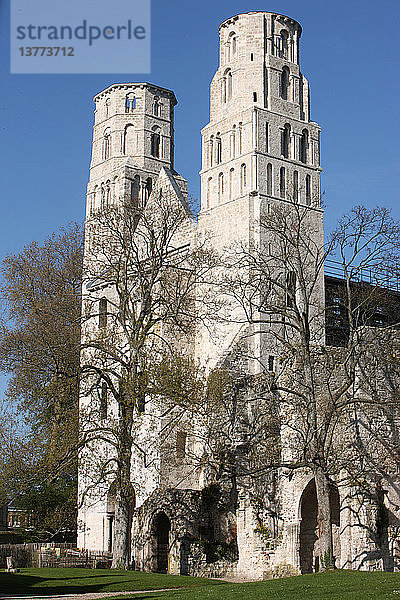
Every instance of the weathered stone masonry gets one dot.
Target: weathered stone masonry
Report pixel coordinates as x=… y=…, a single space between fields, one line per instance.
x=259 y=150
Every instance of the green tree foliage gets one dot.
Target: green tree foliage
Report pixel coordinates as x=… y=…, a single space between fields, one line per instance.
x=39 y=350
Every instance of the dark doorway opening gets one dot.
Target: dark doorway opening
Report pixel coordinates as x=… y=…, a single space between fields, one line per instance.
x=308 y=526
x=162 y=527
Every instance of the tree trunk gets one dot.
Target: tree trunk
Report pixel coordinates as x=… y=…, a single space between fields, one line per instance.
x=324 y=546
x=122 y=532
x=125 y=495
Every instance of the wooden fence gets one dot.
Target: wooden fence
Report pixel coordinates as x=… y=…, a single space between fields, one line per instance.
x=53 y=555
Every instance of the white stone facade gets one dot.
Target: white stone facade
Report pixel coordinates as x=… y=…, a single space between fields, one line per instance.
x=260 y=149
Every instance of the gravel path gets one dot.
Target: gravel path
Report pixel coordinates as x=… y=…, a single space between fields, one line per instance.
x=90 y=596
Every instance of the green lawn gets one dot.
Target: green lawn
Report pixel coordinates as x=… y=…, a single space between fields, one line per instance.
x=69 y=581
x=339 y=585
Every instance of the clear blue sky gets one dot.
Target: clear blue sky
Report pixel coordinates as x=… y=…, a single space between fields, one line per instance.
x=349 y=52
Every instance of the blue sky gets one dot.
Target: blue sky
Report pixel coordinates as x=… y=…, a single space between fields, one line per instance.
x=349 y=52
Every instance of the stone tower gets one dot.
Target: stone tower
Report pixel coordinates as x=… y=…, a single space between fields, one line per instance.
x=132 y=155
x=260 y=147
x=133 y=138
x=260 y=153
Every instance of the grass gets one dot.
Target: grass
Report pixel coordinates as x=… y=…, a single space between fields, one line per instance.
x=70 y=581
x=339 y=585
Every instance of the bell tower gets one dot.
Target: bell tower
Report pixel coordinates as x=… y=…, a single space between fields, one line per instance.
x=133 y=138
x=260 y=137
x=260 y=148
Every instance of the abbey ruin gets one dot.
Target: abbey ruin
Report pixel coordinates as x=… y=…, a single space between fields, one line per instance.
x=237 y=495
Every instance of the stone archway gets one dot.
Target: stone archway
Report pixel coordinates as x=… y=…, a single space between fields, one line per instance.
x=161 y=530
x=308 y=526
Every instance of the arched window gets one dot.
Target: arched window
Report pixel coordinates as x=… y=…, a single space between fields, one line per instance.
x=108 y=193
x=108 y=107
x=148 y=188
x=129 y=139
x=103 y=401
x=135 y=189
x=155 y=142
x=209 y=183
x=107 y=144
x=282 y=182
x=220 y=187
x=141 y=401
x=304 y=146
x=233 y=141
x=181 y=438
x=232 y=46
x=130 y=102
x=94 y=197
x=102 y=196
x=266 y=137
x=227 y=86
x=116 y=190
x=231 y=174
x=291 y=288
x=211 y=151
x=240 y=138
x=285 y=141
x=103 y=313
x=269 y=179
x=296 y=186
x=284 y=43
x=285 y=83
x=243 y=179
x=157 y=107
x=308 y=189
x=218 y=149
x=99 y=197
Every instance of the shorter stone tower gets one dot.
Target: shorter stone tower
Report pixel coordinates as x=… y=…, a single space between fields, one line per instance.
x=132 y=162
x=133 y=138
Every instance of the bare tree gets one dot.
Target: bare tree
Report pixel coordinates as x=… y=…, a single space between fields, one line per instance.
x=279 y=286
x=139 y=309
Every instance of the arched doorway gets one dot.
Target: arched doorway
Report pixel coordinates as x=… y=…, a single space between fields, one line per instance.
x=308 y=526
x=161 y=529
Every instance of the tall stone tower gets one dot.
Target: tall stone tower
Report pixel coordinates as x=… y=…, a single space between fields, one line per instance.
x=133 y=139
x=132 y=154
x=260 y=148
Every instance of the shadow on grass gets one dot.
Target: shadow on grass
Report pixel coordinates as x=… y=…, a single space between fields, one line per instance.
x=33 y=588
x=59 y=582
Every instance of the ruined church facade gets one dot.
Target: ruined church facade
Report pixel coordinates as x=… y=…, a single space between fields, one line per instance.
x=260 y=150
